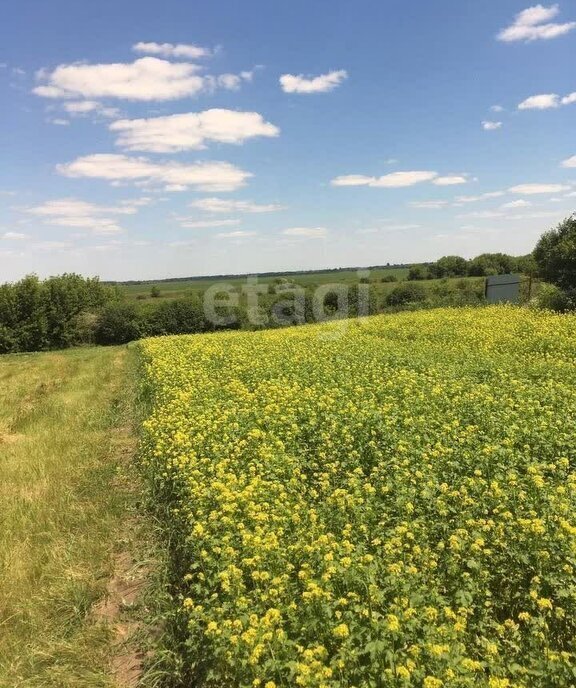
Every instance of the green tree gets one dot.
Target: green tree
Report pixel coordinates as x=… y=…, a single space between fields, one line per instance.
x=555 y=255
x=449 y=266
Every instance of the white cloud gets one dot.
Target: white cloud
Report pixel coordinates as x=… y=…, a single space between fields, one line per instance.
x=59 y=122
x=239 y=234
x=569 y=99
x=569 y=162
x=534 y=23
x=491 y=126
x=208 y=224
x=292 y=83
x=481 y=197
x=392 y=180
x=432 y=205
x=71 y=212
x=481 y=214
x=497 y=108
x=224 y=205
x=85 y=107
x=520 y=203
x=544 y=101
x=306 y=232
x=14 y=236
x=203 y=176
x=192 y=52
x=450 y=180
x=352 y=180
x=191 y=130
x=530 y=189
x=145 y=79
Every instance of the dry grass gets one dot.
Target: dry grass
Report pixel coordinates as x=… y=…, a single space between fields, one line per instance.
x=65 y=435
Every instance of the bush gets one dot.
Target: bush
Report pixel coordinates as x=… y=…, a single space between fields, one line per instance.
x=406 y=293
x=417 y=272
x=552 y=298
x=118 y=323
x=389 y=278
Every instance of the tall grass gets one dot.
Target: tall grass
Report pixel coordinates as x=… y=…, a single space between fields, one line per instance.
x=64 y=435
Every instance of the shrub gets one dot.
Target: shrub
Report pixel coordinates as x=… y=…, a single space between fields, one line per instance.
x=118 y=323
x=406 y=293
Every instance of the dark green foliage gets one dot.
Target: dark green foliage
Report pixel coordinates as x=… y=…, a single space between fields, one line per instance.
x=491 y=264
x=417 y=272
x=406 y=293
x=118 y=323
x=38 y=315
x=555 y=255
x=181 y=316
x=155 y=292
x=389 y=278
x=449 y=266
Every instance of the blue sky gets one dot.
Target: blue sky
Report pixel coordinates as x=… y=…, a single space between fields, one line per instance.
x=142 y=140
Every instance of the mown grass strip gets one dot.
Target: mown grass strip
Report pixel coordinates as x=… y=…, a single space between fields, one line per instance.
x=66 y=435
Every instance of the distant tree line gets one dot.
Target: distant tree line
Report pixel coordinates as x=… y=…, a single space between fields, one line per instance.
x=70 y=310
x=481 y=266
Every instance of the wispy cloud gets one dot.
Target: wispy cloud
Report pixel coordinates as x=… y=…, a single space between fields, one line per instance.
x=489 y=125
x=392 y=180
x=225 y=205
x=306 y=232
x=532 y=189
x=186 y=50
x=72 y=212
x=292 y=83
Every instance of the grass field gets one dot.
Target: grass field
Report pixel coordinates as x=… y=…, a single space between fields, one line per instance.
x=181 y=288
x=390 y=503
x=65 y=434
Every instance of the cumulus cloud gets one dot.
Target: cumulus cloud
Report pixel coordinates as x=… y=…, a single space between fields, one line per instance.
x=203 y=176
x=224 y=205
x=392 y=180
x=306 y=232
x=191 y=130
x=189 y=51
x=145 y=79
x=546 y=101
x=491 y=126
x=534 y=23
x=292 y=83
x=72 y=212
x=569 y=162
x=531 y=189
x=540 y=102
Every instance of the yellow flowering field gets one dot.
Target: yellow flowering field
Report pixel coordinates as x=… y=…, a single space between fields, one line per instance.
x=383 y=502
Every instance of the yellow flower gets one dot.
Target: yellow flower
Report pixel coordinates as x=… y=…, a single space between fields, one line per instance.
x=341 y=631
